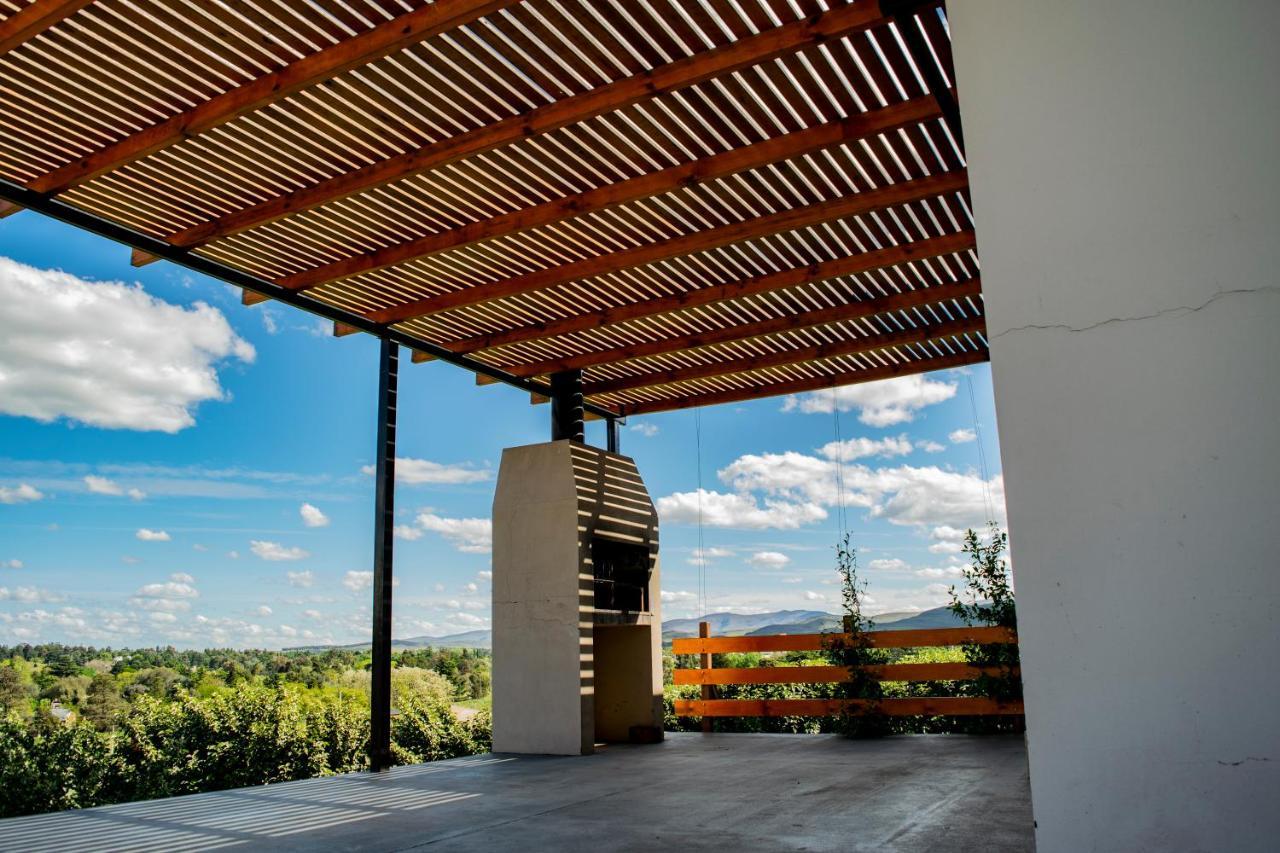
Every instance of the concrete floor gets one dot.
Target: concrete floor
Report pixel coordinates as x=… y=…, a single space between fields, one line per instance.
x=693 y=792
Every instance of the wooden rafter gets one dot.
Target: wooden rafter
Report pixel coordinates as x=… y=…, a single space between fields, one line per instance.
x=822 y=271
x=784 y=358
x=892 y=195
x=384 y=39
x=688 y=174
x=797 y=386
x=806 y=319
x=34 y=19
x=676 y=75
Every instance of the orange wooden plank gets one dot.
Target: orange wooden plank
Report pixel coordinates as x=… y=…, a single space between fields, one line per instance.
x=34 y=19
x=914 y=638
x=950 y=706
x=951 y=671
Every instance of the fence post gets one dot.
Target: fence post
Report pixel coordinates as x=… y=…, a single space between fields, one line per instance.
x=704 y=631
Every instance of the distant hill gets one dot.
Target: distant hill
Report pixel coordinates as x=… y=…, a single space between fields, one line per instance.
x=722 y=625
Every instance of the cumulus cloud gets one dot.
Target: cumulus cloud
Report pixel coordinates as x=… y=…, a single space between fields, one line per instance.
x=962 y=436
x=11 y=564
x=704 y=556
x=172 y=589
x=107 y=354
x=275 y=552
x=301 y=579
x=356 y=581
x=736 y=510
x=931 y=446
x=172 y=596
x=407 y=532
x=648 y=430
x=859 y=448
x=769 y=559
x=263 y=610
x=939 y=572
x=146 y=535
x=312 y=516
x=879 y=404
x=28 y=594
x=810 y=595
x=181 y=577
x=468 y=535
x=890 y=564
x=21 y=493
x=946 y=539
x=415 y=472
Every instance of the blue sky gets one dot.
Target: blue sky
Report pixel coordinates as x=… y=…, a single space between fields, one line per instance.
x=177 y=468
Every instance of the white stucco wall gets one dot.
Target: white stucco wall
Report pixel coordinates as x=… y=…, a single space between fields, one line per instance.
x=1125 y=165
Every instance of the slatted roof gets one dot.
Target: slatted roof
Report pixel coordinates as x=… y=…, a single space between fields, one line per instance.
x=692 y=201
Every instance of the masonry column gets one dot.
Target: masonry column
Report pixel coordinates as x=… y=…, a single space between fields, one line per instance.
x=1123 y=164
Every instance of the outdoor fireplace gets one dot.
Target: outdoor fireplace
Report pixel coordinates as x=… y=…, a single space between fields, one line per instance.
x=576 y=613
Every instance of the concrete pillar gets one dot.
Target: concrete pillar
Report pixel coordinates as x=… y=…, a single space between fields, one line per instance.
x=1126 y=186
x=573 y=662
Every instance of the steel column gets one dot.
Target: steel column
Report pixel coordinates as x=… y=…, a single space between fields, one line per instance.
x=383 y=524
x=612 y=444
x=566 y=406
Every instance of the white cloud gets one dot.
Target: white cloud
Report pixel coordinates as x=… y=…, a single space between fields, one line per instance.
x=418 y=471
x=234 y=555
x=946 y=539
x=181 y=577
x=28 y=594
x=147 y=535
x=136 y=494
x=198 y=547
x=484 y=575
x=468 y=535
x=172 y=590
x=11 y=564
x=736 y=510
x=939 y=572
x=879 y=404
x=21 y=493
x=275 y=552
x=705 y=556
x=810 y=595
x=931 y=446
x=470 y=587
x=312 y=516
x=302 y=579
x=646 y=429
x=769 y=559
x=859 y=448
x=263 y=610
x=407 y=532
x=107 y=353
x=313 y=614
x=891 y=564
x=961 y=436
x=103 y=486
x=673 y=596
x=161 y=616
x=356 y=581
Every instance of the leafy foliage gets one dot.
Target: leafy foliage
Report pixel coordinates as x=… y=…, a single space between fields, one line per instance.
x=988 y=600
x=853 y=651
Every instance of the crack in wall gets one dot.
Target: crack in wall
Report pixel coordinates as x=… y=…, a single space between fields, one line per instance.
x=1177 y=309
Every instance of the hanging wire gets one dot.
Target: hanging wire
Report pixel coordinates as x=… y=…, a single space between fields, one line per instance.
x=982 y=453
x=702 y=544
x=842 y=518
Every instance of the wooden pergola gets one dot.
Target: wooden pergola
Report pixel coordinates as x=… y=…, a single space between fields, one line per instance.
x=631 y=206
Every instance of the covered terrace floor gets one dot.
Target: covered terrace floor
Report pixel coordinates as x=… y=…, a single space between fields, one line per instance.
x=693 y=792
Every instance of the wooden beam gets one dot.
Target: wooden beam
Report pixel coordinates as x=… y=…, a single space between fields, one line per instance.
x=8 y=208
x=341 y=330
x=687 y=174
x=744 y=53
x=34 y=19
x=797 y=386
x=893 y=195
x=907 y=638
x=800 y=355
x=419 y=357
x=971 y=288
x=384 y=39
x=252 y=297
x=940 y=706
x=139 y=258
x=481 y=379
x=864 y=262
x=950 y=671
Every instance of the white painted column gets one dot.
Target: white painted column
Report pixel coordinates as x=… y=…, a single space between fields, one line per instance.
x=1125 y=164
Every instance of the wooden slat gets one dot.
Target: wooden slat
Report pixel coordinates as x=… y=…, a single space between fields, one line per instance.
x=384 y=39
x=35 y=19
x=687 y=174
x=951 y=671
x=905 y=639
x=797 y=386
x=799 y=355
x=710 y=238
x=941 y=706
x=854 y=264
x=682 y=73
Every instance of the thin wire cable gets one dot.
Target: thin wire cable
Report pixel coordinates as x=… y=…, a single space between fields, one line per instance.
x=982 y=453
x=842 y=518
x=702 y=551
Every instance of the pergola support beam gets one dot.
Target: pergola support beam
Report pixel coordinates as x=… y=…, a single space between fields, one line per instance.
x=566 y=406
x=380 y=757
x=34 y=19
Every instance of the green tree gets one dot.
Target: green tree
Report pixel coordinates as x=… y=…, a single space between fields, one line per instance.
x=853 y=650
x=102 y=703
x=15 y=694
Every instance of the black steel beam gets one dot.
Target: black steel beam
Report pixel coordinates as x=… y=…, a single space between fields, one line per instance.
x=612 y=444
x=566 y=406
x=63 y=212
x=903 y=12
x=383 y=564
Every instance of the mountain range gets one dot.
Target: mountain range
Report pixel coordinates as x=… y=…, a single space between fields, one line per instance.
x=722 y=625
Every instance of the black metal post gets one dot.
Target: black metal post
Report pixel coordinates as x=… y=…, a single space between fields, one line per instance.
x=383 y=523
x=566 y=406
x=611 y=435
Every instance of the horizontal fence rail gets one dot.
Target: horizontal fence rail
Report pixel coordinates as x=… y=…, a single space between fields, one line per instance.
x=958 y=706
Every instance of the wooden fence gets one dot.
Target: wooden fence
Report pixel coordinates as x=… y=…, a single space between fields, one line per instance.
x=708 y=677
